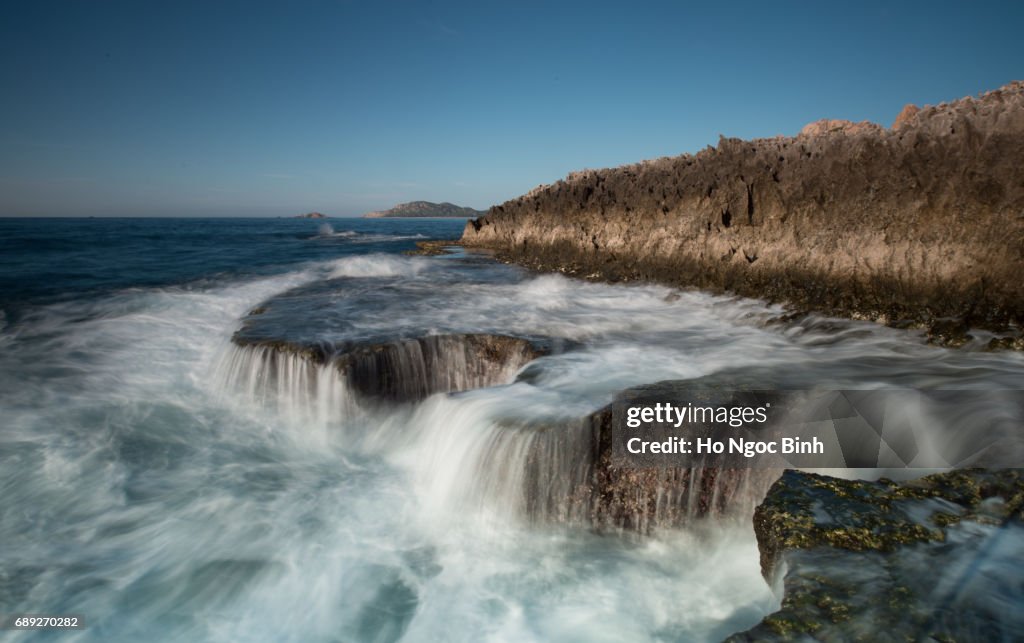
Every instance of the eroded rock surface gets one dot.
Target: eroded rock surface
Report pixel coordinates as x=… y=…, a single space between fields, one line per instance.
x=916 y=224
x=572 y=477
x=938 y=558
x=906 y=115
x=413 y=369
x=410 y=369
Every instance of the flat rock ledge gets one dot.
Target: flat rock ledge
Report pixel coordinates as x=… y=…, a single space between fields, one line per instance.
x=433 y=248
x=935 y=559
x=918 y=225
x=409 y=370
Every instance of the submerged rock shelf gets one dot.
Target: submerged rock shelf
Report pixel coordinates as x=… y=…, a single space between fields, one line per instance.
x=938 y=558
x=398 y=371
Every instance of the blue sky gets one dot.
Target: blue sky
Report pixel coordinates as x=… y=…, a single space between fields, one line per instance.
x=221 y=108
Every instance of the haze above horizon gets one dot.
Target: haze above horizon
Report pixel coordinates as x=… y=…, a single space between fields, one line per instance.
x=256 y=109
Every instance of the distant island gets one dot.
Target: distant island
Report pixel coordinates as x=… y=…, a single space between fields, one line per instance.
x=426 y=209
x=311 y=215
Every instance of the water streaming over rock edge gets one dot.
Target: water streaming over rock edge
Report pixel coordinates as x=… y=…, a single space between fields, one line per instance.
x=543 y=471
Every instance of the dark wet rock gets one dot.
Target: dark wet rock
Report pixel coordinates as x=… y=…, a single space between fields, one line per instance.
x=316 y=354
x=936 y=558
x=432 y=248
x=659 y=497
x=1006 y=343
x=949 y=332
x=572 y=477
x=411 y=369
x=914 y=224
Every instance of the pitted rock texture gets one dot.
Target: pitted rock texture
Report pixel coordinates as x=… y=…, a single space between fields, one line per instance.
x=938 y=558
x=911 y=225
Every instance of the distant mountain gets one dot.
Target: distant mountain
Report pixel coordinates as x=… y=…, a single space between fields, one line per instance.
x=427 y=209
x=311 y=215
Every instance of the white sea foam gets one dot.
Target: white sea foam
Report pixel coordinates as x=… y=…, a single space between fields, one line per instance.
x=373 y=238
x=326 y=231
x=158 y=481
x=378 y=265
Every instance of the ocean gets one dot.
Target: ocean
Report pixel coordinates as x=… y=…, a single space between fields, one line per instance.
x=169 y=472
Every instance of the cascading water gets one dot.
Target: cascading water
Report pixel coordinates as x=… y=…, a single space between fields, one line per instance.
x=319 y=383
x=548 y=471
x=168 y=483
x=297 y=385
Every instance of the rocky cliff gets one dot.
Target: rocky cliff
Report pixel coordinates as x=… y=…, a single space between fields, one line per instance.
x=919 y=223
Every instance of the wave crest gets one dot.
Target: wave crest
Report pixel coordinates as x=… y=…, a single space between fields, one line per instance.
x=377 y=265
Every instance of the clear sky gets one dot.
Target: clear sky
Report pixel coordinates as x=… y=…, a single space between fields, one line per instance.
x=225 y=108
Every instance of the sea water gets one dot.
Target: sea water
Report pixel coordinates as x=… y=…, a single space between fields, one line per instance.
x=150 y=484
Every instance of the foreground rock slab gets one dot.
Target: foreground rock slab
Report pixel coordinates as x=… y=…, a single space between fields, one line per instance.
x=939 y=558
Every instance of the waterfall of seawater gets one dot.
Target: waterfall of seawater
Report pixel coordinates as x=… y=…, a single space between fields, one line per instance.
x=474 y=452
x=294 y=385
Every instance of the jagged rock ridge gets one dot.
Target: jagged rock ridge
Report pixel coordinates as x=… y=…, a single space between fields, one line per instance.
x=918 y=223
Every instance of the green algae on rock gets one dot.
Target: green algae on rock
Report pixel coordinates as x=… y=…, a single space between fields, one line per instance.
x=863 y=560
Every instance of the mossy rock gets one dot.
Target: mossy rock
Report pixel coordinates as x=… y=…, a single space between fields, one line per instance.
x=867 y=559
